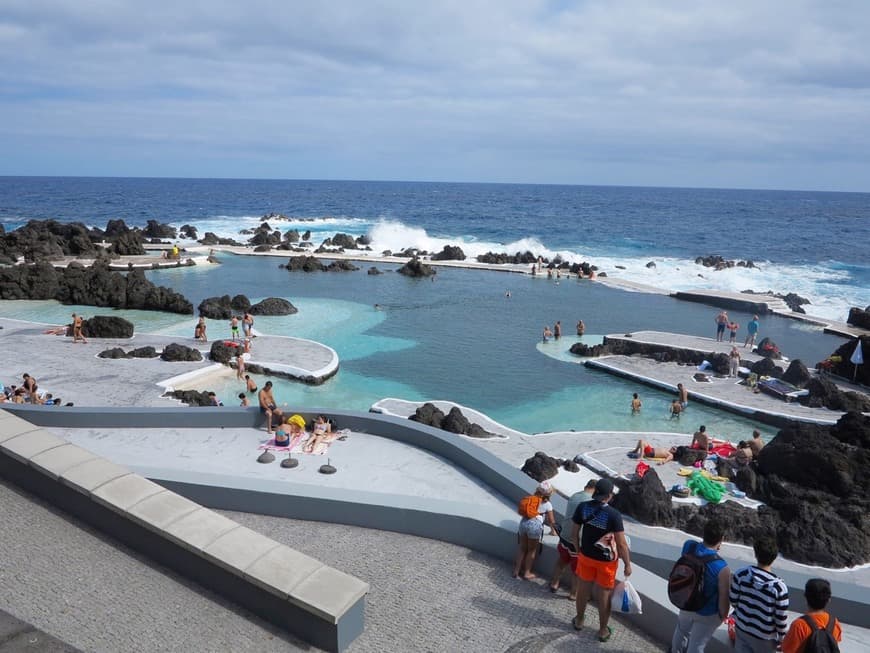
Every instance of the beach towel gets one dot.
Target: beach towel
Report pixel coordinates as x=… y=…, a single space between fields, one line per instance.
x=322 y=447
x=271 y=446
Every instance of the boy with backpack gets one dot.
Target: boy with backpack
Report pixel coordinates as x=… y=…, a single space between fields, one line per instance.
x=816 y=631
x=760 y=601
x=698 y=585
x=533 y=509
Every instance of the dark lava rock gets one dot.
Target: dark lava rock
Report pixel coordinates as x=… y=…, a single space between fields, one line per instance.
x=209 y=239
x=180 y=353
x=188 y=231
x=341 y=266
x=765 y=367
x=156 y=230
x=795 y=302
x=291 y=236
x=859 y=317
x=304 y=264
x=842 y=366
x=43 y=240
x=115 y=353
x=645 y=499
x=190 y=397
x=721 y=363
x=240 y=303
x=541 y=467
x=373 y=271
x=127 y=244
x=416 y=268
x=824 y=393
x=106 y=326
x=143 y=352
x=650 y=265
x=273 y=306
x=344 y=241
x=449 y=253
x=768 y=349
x=222 y=353
x=579 y=349
x=501 y=258
x=570 y=466
x=306 y=235
x=428 y=414
x=216 y=308
x=797 y=374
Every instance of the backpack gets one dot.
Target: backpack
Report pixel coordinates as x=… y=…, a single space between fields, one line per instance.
x=821 y=640
x=686 y=581
x=529 y=505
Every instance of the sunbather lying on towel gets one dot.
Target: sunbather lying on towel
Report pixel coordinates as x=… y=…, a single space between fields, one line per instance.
x=322 y=435
x=646 y=450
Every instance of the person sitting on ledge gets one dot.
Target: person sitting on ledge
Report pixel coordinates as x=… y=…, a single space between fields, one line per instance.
x=267 y=405
x=700 y=440
x=646 y=450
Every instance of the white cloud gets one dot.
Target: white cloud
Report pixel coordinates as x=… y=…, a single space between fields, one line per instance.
x=706 y=93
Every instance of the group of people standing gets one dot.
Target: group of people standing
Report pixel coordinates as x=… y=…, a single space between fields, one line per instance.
x=247 y=322
x=723 y=322
x=592 y=543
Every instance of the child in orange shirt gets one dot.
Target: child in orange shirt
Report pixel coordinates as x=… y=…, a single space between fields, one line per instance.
x=818 y=595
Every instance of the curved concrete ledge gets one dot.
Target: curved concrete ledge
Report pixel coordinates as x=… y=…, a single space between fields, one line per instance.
x=404 y=409
x=300 y=594
x=766 y=416
x=463 y=527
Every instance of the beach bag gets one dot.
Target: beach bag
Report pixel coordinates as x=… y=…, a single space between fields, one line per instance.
x=821 y=640
x=625 y=599
x=686 y=580
x=529 y=505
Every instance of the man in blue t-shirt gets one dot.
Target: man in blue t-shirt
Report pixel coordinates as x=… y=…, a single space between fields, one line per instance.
x=751 y=332
x=599 y=550
x=694 y=629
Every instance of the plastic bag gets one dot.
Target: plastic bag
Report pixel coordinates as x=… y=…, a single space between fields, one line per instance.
x=625 y=599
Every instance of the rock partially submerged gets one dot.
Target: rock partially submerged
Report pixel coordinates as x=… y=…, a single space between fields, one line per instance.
x=416 y=268
x=273 y=306
x=107 y=326
x=859 y=317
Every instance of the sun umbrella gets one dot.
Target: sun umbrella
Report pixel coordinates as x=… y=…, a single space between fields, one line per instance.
x=857 y=358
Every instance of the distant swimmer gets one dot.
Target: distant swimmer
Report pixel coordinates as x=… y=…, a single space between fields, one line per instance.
x=557 y=330
x=249 y=384
x=581 y=328
x=547 y=333
x=636 y=403
x=676 y=409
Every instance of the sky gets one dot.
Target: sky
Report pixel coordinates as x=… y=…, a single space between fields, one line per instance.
x=743 y=94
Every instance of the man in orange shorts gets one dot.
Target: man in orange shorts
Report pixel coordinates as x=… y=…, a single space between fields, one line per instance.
x=599 y=549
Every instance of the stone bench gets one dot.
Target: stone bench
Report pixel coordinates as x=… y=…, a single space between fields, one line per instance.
x=317 y=603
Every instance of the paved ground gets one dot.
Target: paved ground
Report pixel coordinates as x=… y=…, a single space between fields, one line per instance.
x=17 y=636
x=426 y=596
x=60 y=366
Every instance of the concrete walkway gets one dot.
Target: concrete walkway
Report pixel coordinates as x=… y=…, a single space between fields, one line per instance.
x=75 y=373
x=726 y=393
x=687 y=342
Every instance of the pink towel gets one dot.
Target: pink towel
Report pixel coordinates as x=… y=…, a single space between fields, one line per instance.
x=271 y=446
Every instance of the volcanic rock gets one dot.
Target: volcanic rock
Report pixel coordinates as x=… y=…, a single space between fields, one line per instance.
x=651 y=264
x=449 y=253
x=824 y=393
x=180 y=353
x=765 y=367
x=240 y=303
x=344 y=241
x=216 y=308
x=114 y=352
x=304 y=264
x=768 y=349
x=645 y=499
x=428 y=414
x=273 y=306
x=156 y=230
x=580 y=349
x=190 y=397
x=416 y=268
x=797 y=374
x=209 y=239
x=188 y=231
x=106 y=326
x=222 y=353
x=859 y=318
x=373 y=271
x=127 y=244
x=541 y=467
x=501 y=258
x=143 y=352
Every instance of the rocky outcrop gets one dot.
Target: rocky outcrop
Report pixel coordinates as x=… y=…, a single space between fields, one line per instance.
x=765 y=367
x=345 y=241
x=118 y=352
x=93 y=286
x=839 y=362
x=454 y=421
x=264 y=235
x=500 y=258
x=541 y=467
x=273 y=306
x=449 y=253
x=814 y=485
x=155 y=229
x=587 y=351
x=824 y=393
x=794 y=301
x=313 y=264
x=127 y=244
x=222 y=352
x=114 y=352
x=373 y=271
x=240 y=303
x=47 y=240
x=216 y=308
x=191 y=397
x=107 y=326
x=210 y=239
x=661 y=353
x=188 y=231
x=859 y=317
x=174 y=353
x=797 y=374
x=768 y=349
x=416 y=268
x=719 y=263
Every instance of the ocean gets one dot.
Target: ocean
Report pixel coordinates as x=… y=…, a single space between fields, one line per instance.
x=461 y=338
